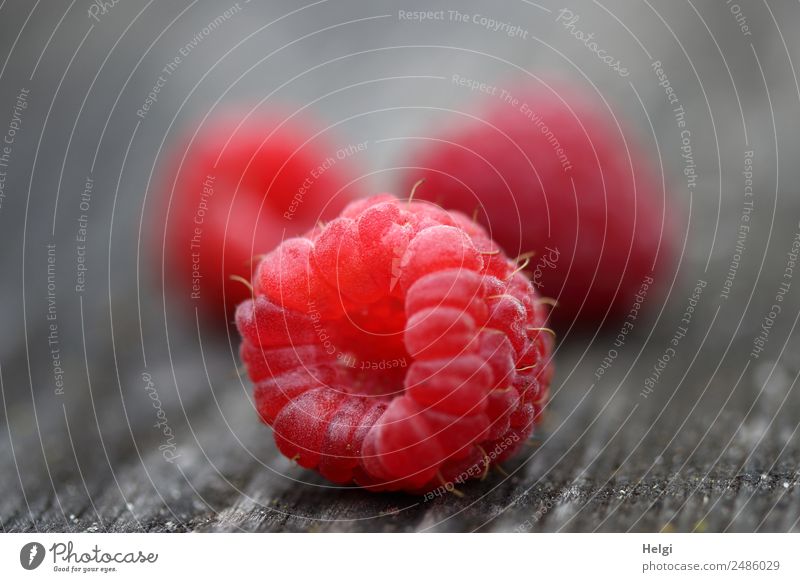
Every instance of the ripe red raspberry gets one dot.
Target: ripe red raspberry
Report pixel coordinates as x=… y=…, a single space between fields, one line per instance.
x=239 y=187
x=517 y=164
x=396 y=348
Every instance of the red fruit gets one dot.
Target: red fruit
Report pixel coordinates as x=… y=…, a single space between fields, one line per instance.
x=236 y=189
x=516 y=165
x=388 y=350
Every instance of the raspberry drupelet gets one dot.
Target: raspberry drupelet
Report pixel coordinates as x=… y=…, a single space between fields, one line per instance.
x=396 y=347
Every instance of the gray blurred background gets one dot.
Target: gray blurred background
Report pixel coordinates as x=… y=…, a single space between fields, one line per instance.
x=715 y=445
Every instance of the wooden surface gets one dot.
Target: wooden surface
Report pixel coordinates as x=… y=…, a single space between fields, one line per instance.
x=713 y=447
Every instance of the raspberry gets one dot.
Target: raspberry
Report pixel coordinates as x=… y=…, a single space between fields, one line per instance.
x=390 y=349
x=516 y=166
x=242 y=186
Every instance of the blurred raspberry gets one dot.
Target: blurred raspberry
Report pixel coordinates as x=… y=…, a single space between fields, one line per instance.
x=555 y=175
x=235 y=190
